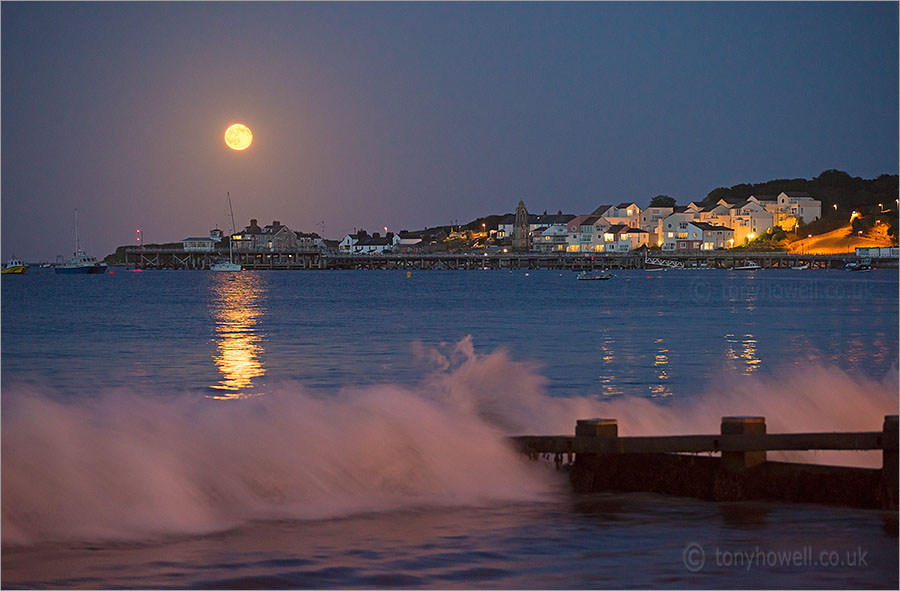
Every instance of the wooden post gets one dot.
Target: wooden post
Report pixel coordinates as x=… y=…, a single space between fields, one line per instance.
x=889 y=453
x=597 y=428
x=737 y=461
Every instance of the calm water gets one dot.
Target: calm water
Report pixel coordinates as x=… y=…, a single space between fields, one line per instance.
x=345 y=429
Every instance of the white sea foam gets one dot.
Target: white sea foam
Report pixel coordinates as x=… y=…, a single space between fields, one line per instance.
x=126 y=466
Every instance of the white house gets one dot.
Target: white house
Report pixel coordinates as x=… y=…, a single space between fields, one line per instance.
x=553 y=238
x=375 y=244
x=650 y=217
x=672 y=228
x=800 y=205
x=712 y=237
x=346 y=245
x=699 y=236
x=622 y=238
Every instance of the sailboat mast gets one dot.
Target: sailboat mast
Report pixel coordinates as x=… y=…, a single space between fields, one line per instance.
x=76 y=232
x=231 y=227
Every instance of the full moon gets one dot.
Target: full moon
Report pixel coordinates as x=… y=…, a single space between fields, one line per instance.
x=238 y=137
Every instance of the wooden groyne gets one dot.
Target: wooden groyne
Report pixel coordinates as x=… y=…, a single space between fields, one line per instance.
x=600 y=460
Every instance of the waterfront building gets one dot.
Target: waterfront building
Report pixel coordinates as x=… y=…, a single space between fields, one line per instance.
x=553 y=238
x=203 y=244
x=800 y=205
x=674 y=227
x=622 y=238
x=696 y=235
x=272 y=238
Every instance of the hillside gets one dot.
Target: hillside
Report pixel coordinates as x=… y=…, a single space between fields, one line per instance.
x=842 y=240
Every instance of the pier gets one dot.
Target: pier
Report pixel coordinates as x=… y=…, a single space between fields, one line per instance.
x=599 y=460
x=161 y=258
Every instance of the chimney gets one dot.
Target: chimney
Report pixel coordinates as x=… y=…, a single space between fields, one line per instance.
x=276 y=224
x=252 y=222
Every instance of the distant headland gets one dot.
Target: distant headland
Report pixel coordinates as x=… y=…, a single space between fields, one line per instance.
x=831 y=213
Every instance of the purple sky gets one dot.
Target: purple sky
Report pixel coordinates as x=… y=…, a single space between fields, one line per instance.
x=412 y=115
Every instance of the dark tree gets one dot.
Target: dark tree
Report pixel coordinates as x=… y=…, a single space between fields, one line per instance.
x=662 y=201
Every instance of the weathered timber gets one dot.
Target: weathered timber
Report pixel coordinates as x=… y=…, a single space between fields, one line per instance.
x=862 y=440
x=665 y=464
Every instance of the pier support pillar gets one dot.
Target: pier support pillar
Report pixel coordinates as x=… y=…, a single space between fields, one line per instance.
x=738 y=461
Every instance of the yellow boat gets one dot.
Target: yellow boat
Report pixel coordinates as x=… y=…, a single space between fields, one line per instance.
x=14 y=267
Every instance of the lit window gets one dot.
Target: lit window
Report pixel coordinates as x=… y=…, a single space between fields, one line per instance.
x=671 y=234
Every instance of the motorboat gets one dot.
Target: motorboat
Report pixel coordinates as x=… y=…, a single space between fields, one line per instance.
x=594 y=276
x=749 y=266
x=860 y=265
x=81 y=263
x=800 y=267
x=14 y=267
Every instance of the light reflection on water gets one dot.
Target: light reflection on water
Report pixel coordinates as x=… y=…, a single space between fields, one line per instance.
x=741 y=354
x=660 y=363
x=236 y=303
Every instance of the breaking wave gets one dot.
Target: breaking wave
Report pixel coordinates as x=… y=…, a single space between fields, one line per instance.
x=123 y=466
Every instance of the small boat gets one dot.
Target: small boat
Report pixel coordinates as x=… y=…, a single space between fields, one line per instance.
x=14 y=267
x=81 y=263
x=800 y=267
x=594 y=276
x=221 y=264
x=861 y=265
x=750 y=266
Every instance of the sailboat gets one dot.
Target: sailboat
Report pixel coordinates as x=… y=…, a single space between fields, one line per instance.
x=81 y=263
x=222 y=264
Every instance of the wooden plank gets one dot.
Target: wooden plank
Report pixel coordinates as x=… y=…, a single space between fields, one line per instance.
x=866 y=440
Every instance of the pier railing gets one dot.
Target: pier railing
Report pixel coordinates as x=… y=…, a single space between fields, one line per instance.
x=603 y=460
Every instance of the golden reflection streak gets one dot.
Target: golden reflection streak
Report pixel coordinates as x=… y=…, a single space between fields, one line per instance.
x=660 y=361
x=751 y=361
x=235 y=306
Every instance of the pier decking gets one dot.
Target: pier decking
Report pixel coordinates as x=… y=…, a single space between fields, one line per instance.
x=149 y=258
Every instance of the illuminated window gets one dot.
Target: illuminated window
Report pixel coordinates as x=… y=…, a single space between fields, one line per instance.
x=671 y=234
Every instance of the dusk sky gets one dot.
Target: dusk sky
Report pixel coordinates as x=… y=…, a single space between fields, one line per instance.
x=413 y=115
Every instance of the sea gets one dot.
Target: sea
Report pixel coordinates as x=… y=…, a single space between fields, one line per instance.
x=349 y=429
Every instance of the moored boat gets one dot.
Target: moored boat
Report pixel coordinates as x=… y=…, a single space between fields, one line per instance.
x=594 y=276
x=81 y=263
x=14 y=267
x=229 y=265
x=750 y=266
x=861 y=265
